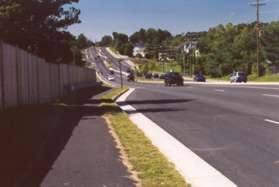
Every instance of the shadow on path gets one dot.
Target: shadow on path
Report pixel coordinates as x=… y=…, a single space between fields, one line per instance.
x=31 y=138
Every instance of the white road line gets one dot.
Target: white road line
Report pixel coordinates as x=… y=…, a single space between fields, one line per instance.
x=218 y=90
x=193 y=168
x=272 y=121
x=269 y=95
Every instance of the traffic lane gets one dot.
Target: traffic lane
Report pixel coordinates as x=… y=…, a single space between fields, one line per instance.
x=246 y=103
x=253 y=98
x=114 y=61
x=243 y=147
x=240 y=86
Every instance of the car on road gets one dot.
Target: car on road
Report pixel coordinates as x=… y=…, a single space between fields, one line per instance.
x=148 y=75
x=111 y=71
x=162 y=76
x=111 y=78
x=155 y=75
x=199 y=78
x=173 y=78
x=131 y=77
x=238 y=77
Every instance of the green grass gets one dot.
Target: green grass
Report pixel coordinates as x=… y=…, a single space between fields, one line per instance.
x=151 y=65
x=266 y=78
x=112 y=96
x=114 y=50
x=152 y=167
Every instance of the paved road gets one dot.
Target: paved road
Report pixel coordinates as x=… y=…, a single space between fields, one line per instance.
x=115 y=62
x=226 y=129
x=235 y=128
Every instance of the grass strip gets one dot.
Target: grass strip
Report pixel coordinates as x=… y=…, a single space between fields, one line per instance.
x=113 y=95
x=266 y=78
x=150 y=164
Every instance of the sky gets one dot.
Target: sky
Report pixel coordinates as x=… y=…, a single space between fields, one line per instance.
x=102 y=17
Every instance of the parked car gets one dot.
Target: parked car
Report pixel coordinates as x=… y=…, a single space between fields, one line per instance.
x=238 y=77
x=199 y=78
x=173 y=78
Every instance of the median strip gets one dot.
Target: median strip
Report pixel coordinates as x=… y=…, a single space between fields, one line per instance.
x=151 y=167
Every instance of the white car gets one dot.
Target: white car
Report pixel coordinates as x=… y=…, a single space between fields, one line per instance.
x=111 y=78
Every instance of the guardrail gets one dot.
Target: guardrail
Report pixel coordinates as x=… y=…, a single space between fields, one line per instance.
x=26 y=79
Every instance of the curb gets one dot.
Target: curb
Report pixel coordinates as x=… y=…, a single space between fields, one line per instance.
x=190 y=166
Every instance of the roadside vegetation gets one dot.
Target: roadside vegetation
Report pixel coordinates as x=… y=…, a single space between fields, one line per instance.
x=222 y=50
x=152 y=168
x=266 y=78
x=151 y=65
x=40 y=27
x=112 y=95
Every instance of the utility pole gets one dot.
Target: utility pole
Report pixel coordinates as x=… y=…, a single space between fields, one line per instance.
x=121 y=76
x=258 y=4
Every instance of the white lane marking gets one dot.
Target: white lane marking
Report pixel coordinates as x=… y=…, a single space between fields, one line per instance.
x=218 y=90
x=194 y=169
x=272 y=121
x=270 y=95
x=228 y=85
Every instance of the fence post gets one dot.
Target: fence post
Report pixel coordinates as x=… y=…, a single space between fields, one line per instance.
x=2 y=76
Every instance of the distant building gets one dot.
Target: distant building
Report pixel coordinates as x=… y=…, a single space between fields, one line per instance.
x=139 y=50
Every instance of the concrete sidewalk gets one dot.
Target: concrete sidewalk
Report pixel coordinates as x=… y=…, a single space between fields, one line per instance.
x=60 y=145
x=90 y=158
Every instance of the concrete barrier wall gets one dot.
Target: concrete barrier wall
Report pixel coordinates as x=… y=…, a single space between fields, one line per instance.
x=26 y=79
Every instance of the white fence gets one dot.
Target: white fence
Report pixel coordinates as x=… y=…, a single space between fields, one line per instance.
x=26 y=79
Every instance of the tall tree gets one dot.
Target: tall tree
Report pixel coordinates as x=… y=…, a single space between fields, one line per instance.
x=39 y=26
x=106 y=41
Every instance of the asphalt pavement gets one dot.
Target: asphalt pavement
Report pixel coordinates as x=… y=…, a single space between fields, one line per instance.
x=230 y=132
x=235 y=128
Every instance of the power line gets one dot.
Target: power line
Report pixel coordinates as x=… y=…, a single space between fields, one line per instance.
x=258 y=4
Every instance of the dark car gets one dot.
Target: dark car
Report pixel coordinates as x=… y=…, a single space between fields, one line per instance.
x=199 y=78
x=131 y=77
x=148 y=75
x=162 y=76
x=155 y=75
x=238 y=77
x=173 y=78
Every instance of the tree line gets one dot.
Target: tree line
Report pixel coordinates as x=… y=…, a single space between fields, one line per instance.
x=151 y=38
x=40 y=27
x=233 y=47
x=223 y=49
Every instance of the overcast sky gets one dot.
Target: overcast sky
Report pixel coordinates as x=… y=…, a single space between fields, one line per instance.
x=102 y=17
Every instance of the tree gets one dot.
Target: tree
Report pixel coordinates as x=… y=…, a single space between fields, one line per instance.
x=138 y=37
x=83 y=42
x=106 y=41
x=39 y=26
